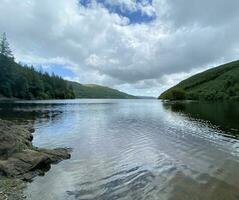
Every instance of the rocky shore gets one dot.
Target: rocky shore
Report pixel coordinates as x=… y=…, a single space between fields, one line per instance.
x=19 y=158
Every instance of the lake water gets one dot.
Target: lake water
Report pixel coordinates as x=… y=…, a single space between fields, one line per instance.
x=135 y=149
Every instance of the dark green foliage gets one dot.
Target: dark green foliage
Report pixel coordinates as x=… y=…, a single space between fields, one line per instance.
x=4 y=47
x=175 y=94
x=220 y=83
x=26 y=83
x=178 y=94
x=6 y=74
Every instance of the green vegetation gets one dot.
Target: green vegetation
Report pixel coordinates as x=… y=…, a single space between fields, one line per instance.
x=5 y=48
x=175 y=94
x=24 y=82
x=220 y=83
x=97 y=91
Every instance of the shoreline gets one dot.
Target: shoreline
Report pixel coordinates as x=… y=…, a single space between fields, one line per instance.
x=19 y=158
x=20 y=161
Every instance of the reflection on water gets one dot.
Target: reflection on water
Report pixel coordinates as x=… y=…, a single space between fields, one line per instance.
x=222 y=114
x=135 y=149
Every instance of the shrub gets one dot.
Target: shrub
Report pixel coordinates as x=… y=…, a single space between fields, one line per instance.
x=178 y=94
x=192 y=96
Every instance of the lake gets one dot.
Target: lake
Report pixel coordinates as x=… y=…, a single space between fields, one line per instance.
x=135 y=149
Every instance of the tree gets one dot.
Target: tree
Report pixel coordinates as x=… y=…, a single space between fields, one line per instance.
x=4 y=47
x=6 y=76
x=21 y=87
x=178 y=94
x=25 y=82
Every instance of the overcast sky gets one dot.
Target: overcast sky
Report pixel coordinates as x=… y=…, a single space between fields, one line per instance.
x=138 y=46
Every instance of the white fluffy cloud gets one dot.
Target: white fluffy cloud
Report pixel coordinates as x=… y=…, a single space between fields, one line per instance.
x=103 y=47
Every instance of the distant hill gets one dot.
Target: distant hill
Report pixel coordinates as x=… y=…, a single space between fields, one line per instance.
x=97 y=91
x=219 y=83
x=146 y=97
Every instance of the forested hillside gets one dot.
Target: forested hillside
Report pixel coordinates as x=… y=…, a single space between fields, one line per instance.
x=219 y=83
x=26 y=83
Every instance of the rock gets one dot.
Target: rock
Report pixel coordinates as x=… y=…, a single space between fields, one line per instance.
x=12 y=189
x=56 y=155
x=19 y=158
x=13 y=138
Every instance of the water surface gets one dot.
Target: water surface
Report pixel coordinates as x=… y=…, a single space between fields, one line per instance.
x=135 y=149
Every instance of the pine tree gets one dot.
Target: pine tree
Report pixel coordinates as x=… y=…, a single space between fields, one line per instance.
x=4 y=47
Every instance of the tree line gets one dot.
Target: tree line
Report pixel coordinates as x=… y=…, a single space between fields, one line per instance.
x=24 y=82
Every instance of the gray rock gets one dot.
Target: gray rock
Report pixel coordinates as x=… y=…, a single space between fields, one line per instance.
x=19 y=158
x=13 y=138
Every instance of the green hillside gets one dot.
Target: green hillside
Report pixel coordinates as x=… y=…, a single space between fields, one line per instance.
x=219 y=83
x=97 y=91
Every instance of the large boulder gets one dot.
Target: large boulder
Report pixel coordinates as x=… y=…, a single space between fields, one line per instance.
x=19 y=158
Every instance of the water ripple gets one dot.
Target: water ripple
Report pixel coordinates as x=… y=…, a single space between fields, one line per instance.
x=135 y=150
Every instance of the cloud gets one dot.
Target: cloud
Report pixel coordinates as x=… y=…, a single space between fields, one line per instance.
x=103 y=47
x=206 y=13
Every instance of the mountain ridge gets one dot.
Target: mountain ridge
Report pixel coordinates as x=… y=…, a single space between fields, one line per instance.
x=217 y=83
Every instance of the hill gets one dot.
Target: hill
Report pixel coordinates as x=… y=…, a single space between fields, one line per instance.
x=97 y=91
x=219 y=83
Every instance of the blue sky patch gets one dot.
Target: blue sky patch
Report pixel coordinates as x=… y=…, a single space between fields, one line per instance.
x=57 y=69
x=135 y=16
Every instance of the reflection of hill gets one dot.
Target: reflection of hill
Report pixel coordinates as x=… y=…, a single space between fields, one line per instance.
x=28 y=112
x=222 y=114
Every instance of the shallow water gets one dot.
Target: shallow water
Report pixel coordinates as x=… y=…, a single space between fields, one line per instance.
x=135 y=149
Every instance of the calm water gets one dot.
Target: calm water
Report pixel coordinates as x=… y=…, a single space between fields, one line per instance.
x=135 y=149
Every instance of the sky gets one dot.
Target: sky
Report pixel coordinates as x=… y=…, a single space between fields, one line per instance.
x=141 y=47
